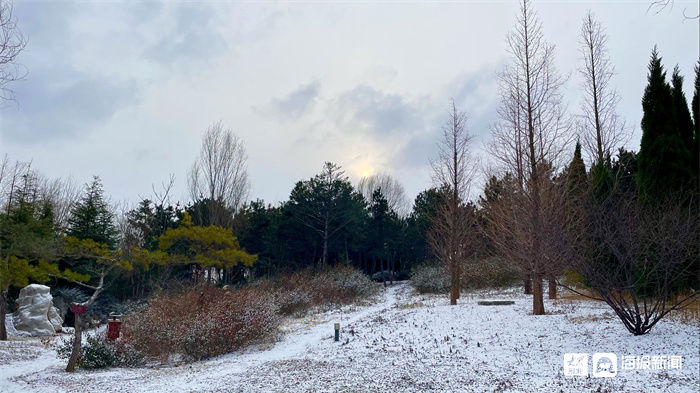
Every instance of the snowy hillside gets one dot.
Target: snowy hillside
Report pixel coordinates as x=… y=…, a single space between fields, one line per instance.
x=404 y=342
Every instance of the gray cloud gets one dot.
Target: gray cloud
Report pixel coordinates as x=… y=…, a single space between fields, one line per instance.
x=473 y=93
x=418 y=151
x=193 y=36
x=57 y=100
x=378 y=113
x=295 y=104
x=48 y=110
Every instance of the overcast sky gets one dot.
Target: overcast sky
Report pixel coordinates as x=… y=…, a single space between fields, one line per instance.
x=125 y=90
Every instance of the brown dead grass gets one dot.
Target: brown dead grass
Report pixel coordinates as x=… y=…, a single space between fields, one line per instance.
x=689 y=313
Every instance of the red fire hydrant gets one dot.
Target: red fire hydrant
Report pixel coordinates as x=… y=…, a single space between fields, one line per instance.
x=113 y=327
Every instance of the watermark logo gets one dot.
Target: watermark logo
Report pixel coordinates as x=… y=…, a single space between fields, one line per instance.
x=576 y=364
x=646 y=362
x=604 y=365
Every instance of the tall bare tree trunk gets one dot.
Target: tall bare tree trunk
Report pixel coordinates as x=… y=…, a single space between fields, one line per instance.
x=77 y=342
x=552 y=287
x=537 y=301
x=454 y=283
x=527 y=284
x=3 y=312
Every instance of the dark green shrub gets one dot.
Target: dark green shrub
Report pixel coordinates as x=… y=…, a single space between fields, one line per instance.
x=98 y=352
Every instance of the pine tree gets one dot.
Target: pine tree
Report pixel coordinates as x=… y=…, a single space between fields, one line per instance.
x=91 y=218
x=663 y=156
x=210 y=247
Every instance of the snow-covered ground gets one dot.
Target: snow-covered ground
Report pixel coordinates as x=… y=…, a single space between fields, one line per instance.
x=404 y=342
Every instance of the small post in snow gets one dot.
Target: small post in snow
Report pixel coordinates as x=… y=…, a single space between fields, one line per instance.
x=337 y=332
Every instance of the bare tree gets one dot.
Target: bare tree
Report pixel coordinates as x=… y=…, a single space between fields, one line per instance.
x=162 y=196
x=221 y=171
x=508 y=142
x=12 y=42
x=639 y=259
x=451 y=234
x=390 y=188
x=600 y=127
x=61 y=193
x=533 y=131
x=11 y=175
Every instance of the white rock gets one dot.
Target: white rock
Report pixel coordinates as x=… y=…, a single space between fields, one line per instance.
x=55 y=319
x=35 y=313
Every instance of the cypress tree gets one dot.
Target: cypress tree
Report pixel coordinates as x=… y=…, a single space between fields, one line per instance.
x=664 y=158
x=683 y=119
x=577 y=183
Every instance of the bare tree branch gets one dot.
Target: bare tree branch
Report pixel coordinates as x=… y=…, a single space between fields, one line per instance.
x=221 y=171
x=601 y=129
x=12 y=43
x=390 y=188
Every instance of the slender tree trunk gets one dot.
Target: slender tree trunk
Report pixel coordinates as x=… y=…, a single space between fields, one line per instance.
x=77 y=342
x=455 y=211
x=454 y=286
x=383 y=265
x=325 y=251
x=3 y=312
x=552 y=287
x=537 y=301
x=596 y=111
x=454 y=281
x=326 y=229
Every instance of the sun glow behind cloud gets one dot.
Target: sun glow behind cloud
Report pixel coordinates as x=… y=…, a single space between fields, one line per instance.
x=364 y=169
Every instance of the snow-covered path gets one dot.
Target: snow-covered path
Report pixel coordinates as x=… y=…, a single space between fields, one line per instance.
x=407 y=342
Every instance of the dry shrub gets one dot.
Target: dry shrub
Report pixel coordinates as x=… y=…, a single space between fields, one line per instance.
x=300 y=291
x=430 y=278
x=477 y=273
x=205 y=321
x=488 y=272
x=202 y=322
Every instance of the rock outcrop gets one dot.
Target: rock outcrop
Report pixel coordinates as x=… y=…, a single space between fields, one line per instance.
x=35 y=313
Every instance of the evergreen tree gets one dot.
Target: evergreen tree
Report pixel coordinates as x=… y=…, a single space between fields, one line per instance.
x=576 y=179
x=328 y=206
x=26 y=240
x=663 y=156
x=683 y=119
x=425 y=207
x=91 y=218
x=684 y=122
x=205 y=248
x=383 y=232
